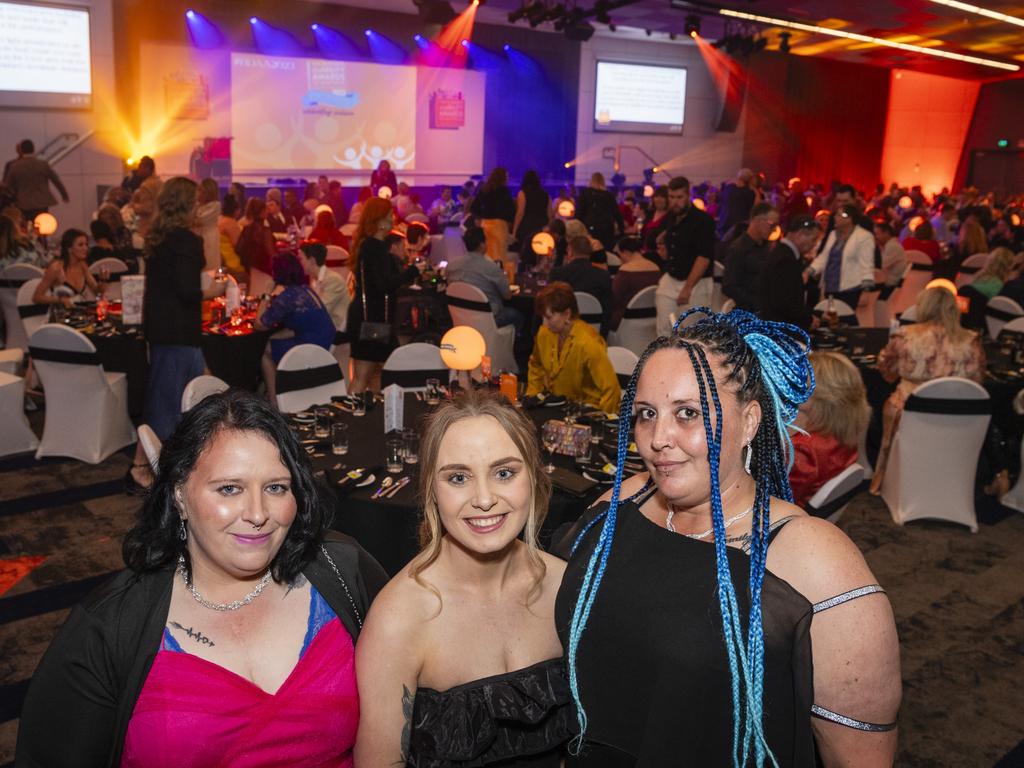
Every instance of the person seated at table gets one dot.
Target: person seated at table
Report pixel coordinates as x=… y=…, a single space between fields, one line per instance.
x=933 y=347
x=16 y=249
x=417 y=240
x=569 y=357
x=444 y=210
x=256 y=248
x=67 y=279
x=329 y=285
x=585 y=277
x=989 y=281
x=295 y=311
x=894 y=258
x=833 y=421
x=229 y=638
x=229 y=231
x=636 y=273
x=278 y=221
x=475 y=268
x=292 y=207
x=326 y=230
x=459 y=655
x=923 y=240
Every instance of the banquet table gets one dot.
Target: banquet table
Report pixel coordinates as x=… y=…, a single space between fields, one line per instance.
x=387 y=527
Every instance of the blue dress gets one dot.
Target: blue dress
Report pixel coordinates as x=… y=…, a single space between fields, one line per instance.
x=301 y=311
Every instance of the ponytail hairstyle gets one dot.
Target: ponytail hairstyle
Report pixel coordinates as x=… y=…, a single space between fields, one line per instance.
x=767 y=362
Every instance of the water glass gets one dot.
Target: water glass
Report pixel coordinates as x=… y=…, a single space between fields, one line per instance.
x=393 y=449
x=550 y=440
x=359 y=404
x=433 y=391
x=582 y=453
x=323 y=423
x=411 y=446
x=339 y=438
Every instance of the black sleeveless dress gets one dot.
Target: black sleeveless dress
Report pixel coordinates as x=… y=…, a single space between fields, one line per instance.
x=520 y=719
x=652 y=666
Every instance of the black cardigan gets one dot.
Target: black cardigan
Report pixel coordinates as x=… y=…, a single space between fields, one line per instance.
x=172 y=305
x=85 y=688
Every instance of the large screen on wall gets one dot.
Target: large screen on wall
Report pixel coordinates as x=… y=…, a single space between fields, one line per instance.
x=639 y=98
x=44 y=56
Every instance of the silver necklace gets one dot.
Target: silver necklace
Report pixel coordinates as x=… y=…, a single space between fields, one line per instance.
x=709 y=531
x=234 y=605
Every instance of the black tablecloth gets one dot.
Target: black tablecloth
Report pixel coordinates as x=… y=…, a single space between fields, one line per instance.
x=387 y=527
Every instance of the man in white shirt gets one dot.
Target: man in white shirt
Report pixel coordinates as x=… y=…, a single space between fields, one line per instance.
x=328 y=284
x=894 y=258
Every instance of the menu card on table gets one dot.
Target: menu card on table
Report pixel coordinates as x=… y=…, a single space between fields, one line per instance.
x=394 y=408
x=133 y=287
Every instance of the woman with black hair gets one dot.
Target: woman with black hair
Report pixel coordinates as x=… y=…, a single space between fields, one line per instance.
x=495 y=209
x=533 y=211
x=229 y=639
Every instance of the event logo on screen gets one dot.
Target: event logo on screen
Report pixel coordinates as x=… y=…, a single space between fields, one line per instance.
x=447 y=110
x=187 y=96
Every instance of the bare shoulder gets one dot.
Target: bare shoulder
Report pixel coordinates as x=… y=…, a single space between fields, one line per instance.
x=554 y=568
x=401 y=608
x=629 y=486
x=814 y=556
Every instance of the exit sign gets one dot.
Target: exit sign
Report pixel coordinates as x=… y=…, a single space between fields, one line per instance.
x=1003 y=143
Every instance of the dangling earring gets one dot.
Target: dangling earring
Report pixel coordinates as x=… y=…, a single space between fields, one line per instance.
x=182 y=531
x=746 y=460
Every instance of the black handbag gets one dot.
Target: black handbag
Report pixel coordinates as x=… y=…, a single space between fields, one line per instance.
x=372 y=330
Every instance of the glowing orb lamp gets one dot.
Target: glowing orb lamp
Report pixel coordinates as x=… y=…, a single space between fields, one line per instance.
x=462 y=350
x=321 y=208
x=567 y=209
x=698 y=204
x=776 y=233
x=384 y=193
x=648 y=190
x=45 y=223
x=915 y=222
x=542 y=243
x=942 y=283
x=810 y=201
x=906 y=203
x=1015 y=219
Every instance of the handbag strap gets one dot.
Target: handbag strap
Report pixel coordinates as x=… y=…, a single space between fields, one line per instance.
x=362 y=272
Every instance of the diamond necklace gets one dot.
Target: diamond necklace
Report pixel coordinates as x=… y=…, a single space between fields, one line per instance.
x=234 y=605
x=709 y=531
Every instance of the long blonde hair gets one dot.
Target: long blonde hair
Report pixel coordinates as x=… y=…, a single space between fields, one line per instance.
x=517 y=426
x=839 y=405
x=938 y=306
x=999 y=265
x=175 y=208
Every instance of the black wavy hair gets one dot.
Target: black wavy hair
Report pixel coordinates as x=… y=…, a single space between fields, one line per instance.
x=153 y=543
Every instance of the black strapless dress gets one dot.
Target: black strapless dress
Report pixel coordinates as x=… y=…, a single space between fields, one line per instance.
x=652 y=665
x=519 y=719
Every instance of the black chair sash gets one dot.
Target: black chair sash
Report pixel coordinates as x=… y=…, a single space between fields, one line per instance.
x=1000 y=314
x=907 y=321
x=461 y=303
x=594 y=318
x=885 y=291
x=832 y=506
x=307 y=378
x=341 y=337
x=623 y=379
x=33 y=310
x=969 y=270
x=914 y=266
x=12 y=283
x=413 y=378
x=636 y=313
x=948 y=406
x=48 y=355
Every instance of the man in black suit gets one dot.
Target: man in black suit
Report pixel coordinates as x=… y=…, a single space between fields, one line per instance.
x=782 y=277
x=584 y=277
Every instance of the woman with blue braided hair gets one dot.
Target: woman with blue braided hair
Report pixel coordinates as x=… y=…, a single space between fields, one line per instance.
x=697 y=594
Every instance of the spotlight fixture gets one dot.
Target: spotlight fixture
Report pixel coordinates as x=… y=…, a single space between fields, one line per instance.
x=435 y=11
x=506 y=47
x=612 y=27
x=368 y=32
x=648 y=32
x=536 y=12
x=190 y=13
x=601 y=14
x=692 y=27
x=253 y=19
x=672 y=35
x=314 y=27
x=784 y=41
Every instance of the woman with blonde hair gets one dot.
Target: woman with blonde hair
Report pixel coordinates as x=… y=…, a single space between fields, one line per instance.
x=833 y=421
x=933 y=347
x=378 y=277
x=459 y=659
x=989 y=281
x=972 y=238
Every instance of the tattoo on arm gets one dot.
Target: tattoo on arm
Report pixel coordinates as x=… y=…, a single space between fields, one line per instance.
x=407 y=702
x=194 y=634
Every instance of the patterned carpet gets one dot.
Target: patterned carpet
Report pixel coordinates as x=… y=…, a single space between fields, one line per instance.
x=958 y=597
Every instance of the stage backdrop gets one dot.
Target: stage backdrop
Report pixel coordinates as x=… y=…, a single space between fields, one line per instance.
x=289 y=115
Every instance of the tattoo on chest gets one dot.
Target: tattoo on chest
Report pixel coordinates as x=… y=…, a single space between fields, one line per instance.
x=194 y=634
x=407 y=702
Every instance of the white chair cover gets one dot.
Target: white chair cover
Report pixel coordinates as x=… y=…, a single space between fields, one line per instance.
x=115 y=267
x=909 y=316
x=11 y=360
x=623 y=361
x=86 y=407
x=590 y=309
x=1014 y=326
x=11 y=279
x=934 y=456
x=311 y=377
x=151 y=446
x=716 y=290
x=918 y=275
x=639 y=322
x=199 y=388
x=16 y=436
x=31 y=315
x=835 y=495
x=971 y=266
x=883 y=309
x=847 y=315
x=410 y=366
x=998 y=312
x=337 y=258
x=499 y=341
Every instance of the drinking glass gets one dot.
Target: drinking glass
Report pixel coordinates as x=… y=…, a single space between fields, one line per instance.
x=433 y=391
x=393 y=454
x=583 y=453
x=411 y=446
x=571 y=411
x=323 y=422
x=359 y=405
x=597 y=430
x=339 y=438
x=550 y=443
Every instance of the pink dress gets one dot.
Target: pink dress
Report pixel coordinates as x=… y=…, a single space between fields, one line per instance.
x=193 y=713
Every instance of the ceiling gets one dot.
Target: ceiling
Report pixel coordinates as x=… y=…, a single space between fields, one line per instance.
x=918 y=22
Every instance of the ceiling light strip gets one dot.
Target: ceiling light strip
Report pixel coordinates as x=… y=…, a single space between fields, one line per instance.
x=816 y=30
x=978 y=10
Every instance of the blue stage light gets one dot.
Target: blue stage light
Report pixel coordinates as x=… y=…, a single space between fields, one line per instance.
x=507 y=47
x=253 y=19
x=314 y=27
x=465 y=43
x=368 y=32
x=190 y=13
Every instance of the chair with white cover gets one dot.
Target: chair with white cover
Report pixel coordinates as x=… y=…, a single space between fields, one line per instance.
x=410 y=365
x=468 y=305
x=971 y=266
x=16 y=436
x=151 y=446
x=337 y=259
x=909 y=316
x=918 y=275
x=998 y=312
x=716 y=289
x=114 y=268
x=199 y=389
x=1014 y=498
x=1014 y=326
x=638 y=327
x=624 y=362
x=31 y=315
x=934 y=456
x=883 y=309
x=847 y=315
x=307 y=375
x=86 y=407
x=11 y=279
x=591 y=312
x=832 y=499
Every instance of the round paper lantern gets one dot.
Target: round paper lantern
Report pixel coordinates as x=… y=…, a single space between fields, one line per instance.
x=776 y=233
x=567 y=209
x=1015 y=219
x=384 y=193
x=46 y=223
x=698 y=204
x=906 y=203
x=942 y=283
x=462 y=348
x=543 y=243
x=648 y=190
x=915 y=222
x=321 y=208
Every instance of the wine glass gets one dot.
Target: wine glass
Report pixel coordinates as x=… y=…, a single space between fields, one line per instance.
x=550 y=443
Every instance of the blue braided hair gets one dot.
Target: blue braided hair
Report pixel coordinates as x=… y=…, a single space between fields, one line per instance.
x=766 y=362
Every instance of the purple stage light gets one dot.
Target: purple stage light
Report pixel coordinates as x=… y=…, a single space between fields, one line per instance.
x=190 y=13
x=314 y=27
x=253 y=19
x=368 y=32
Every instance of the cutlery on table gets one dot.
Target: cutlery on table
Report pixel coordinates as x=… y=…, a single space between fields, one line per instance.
x=384 y=485
x=397 y=487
